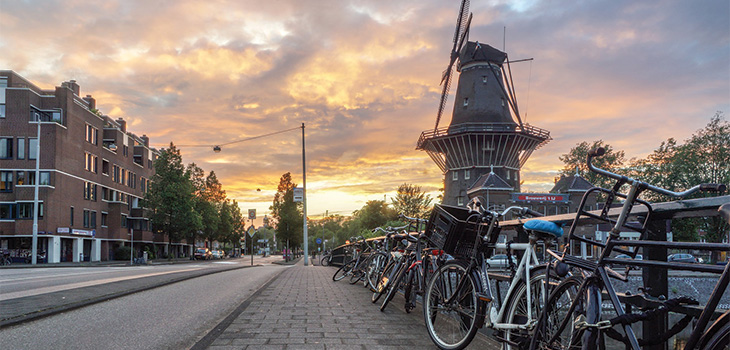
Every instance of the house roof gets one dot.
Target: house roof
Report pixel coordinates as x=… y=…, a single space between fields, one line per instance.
x=572 y=183
x=490 y=181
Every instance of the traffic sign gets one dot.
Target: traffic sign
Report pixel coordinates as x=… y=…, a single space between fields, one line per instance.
x=252 y=214
x=319 y=241
x=298 y=194
x=251 y=231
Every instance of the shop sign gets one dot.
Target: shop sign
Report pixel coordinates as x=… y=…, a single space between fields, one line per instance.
x=83 y=232
x=527 y=197
x=63 y=230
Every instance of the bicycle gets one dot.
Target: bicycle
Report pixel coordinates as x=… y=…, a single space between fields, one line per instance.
x=354 y=268
x=571 y=318
x=326 y=259
x=5 y=260
x=458 y=298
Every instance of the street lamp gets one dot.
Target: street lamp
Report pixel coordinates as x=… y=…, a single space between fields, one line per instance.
x=34 y=250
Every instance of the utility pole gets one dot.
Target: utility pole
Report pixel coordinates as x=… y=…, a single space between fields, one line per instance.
x=304 y=201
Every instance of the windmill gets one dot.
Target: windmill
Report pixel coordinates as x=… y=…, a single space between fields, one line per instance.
x=486 y=144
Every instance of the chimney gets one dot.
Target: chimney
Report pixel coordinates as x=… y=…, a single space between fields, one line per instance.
x=122 y=124
x=91 y=101
x=145 y=140
x=71 y=84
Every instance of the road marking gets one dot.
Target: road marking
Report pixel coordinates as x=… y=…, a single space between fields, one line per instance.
x=38 y=291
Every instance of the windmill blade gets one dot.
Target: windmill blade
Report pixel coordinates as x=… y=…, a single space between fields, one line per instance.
x=462 y=25
x=464 y=35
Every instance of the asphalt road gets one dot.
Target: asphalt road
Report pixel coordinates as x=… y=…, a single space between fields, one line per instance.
x=170 y=317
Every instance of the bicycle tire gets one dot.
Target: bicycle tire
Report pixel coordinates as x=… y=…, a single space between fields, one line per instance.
x=451 y=327
x=551 y=318
x=357 y=273
x=375 y=269
x=516 y=313
x=343 y=271
x=408 y=293
x=325 y=261
x=394 y=286
x=720 y=340
x=384 y=280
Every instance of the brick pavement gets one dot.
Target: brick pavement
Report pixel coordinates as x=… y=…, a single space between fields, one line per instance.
x=304 y=309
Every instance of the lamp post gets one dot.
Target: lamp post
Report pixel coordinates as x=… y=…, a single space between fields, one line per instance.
x=34 y=250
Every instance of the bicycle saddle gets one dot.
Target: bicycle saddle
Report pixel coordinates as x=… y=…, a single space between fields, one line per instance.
x=543 y=226
x=725 y=212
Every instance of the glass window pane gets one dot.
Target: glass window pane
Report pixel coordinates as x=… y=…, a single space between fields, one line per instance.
x=21 y=148
x=32 y=145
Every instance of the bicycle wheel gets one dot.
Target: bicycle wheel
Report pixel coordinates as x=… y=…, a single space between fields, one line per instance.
x=720 y=340
x=517 y=312
x=394 y=285
x=451 y=325
x=375 y=269
x=384 y=280
x=343 y=271
x=408 y=292
x=325 y=261
x=554 y=329
x=357 y=273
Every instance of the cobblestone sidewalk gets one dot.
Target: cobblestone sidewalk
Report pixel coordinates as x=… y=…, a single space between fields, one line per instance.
x=304 y=309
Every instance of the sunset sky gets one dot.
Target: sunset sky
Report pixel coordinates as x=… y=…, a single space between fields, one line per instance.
x=364 y=77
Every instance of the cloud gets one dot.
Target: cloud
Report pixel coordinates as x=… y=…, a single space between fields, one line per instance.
x=363 y=76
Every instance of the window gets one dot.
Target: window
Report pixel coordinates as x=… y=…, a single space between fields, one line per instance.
x=6 y=211
x=86 y=218
x=92 y=219
x=467 y=174
x=484 y=79
x=44 y=175
x=104 y=217
x=507 y=174
x=143 y=185
x=126 y=150
x=455 y=175
x=124 y=220
x=6 y=148
x=91 y=162
x=105 y=167
x=460 y=201
x=466 y=101
x=115 y=173
x=92 y=134
x=124 y=176
x=20 y=178
x=32 y=146
x=71 y=222
x=502 y=102
x=21 y=148
x=90 y=191
x=6 y=181
x=25 y=210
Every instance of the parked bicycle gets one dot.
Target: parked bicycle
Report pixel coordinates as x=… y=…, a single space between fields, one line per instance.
x=5 y=258
x=459 y=298
x=572 y=317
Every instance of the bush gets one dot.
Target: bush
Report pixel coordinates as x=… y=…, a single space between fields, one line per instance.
x=122 y=253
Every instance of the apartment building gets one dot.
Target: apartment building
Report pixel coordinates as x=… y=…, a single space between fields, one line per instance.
x=93 y=174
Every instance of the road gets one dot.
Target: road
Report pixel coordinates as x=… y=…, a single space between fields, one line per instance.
x=170 y=317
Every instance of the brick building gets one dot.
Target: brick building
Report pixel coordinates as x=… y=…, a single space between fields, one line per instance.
x=93 y=175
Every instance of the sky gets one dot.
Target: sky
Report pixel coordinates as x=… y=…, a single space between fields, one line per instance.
x=363 y=75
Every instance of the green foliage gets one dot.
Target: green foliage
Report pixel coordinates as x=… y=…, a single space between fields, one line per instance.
x=575 y=161
x=373 y=214
x=411 y=201
x=122 y=253
x=171 y=198
x=287 y=213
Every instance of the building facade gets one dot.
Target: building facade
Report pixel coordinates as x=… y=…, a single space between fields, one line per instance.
x=93 y=174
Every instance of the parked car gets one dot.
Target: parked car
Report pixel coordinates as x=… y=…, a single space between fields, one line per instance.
x=217 y=254
x=683 y=258
x=628 y=257
x=500 y=261
x=203 y=254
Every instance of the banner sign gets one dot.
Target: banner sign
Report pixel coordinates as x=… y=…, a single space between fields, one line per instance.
x=539 y=197
x=298 y=194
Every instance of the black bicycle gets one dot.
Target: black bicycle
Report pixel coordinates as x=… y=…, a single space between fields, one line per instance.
x=572 y=317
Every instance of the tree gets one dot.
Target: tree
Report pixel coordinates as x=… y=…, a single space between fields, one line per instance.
x=373 y=214
x=703 y=158
x=411 y=201
x=171 y=198
x=575 y=162
x=287 y=213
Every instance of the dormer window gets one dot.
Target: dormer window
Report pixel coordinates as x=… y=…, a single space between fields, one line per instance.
x=466 y=101
x=484 y=79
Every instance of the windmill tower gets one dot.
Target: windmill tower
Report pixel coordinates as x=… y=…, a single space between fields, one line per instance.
x=486 y=144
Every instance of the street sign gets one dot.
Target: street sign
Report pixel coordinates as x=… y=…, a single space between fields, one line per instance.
x=319 y=241
x=252 y=214
x=298 y=194
x=251 y=231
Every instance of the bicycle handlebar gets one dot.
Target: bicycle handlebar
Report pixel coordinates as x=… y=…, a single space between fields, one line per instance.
x=600 y=151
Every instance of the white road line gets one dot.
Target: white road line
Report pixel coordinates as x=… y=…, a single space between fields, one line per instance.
x=38 y=291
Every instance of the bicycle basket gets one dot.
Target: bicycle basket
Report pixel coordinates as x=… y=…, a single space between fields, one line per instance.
x=448 y=230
